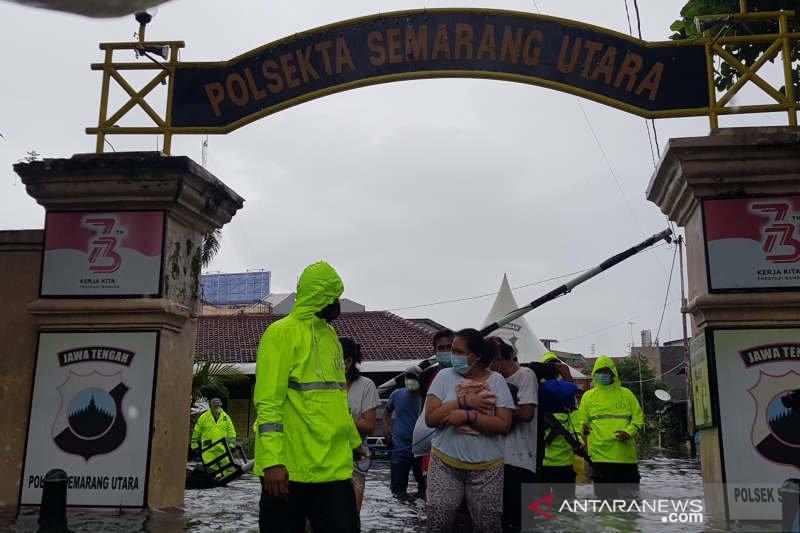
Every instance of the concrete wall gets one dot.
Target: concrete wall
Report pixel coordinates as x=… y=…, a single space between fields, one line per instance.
x=20 y=267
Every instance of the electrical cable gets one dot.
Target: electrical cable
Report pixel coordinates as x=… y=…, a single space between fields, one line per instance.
x=656 y=377
x=628 y=16
x=517 y=287
x=666 y=296
x=610 y=168
x=615 y=324
x=639 y=31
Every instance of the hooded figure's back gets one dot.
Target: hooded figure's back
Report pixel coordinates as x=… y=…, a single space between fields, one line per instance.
x=303 y=421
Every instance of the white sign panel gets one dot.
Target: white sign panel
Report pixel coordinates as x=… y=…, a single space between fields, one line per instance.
x=757 y=371
x=90 y=416
x=102 y=254
x=753 y=243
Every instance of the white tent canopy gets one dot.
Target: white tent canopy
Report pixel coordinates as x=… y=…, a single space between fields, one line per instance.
x=518 y=333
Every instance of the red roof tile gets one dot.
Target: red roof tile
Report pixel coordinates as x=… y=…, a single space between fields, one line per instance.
x=382 y=335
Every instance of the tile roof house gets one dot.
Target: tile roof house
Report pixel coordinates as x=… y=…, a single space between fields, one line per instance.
x=389 y=344
x=383 y=336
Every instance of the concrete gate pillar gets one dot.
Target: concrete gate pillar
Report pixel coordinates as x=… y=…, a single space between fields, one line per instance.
x=193 y=202
x=735 y=193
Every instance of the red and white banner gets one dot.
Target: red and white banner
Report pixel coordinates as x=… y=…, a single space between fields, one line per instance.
x=753 y=243
x=103 y=254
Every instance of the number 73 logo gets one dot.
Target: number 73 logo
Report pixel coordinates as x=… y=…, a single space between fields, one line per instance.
x=103 y=256
x=779 y=236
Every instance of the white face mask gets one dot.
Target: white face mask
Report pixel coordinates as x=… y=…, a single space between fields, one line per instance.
x=412 y=385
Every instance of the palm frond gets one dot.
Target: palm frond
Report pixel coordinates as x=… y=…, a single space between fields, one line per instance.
x=212 y=241
x=214 y=379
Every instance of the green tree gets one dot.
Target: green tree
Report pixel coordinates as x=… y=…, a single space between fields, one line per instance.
x=726 y=75
x=629 y=375
x=212 y=379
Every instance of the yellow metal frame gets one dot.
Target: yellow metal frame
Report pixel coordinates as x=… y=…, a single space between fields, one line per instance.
x=714 y=46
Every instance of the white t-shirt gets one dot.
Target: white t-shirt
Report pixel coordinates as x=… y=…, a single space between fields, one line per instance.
x=362 y=396
x=521 y=440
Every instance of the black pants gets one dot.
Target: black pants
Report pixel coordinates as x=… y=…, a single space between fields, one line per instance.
x=401 y=463
x=615 y=480
x=513 y=478
x=560 y=479
x=330 y=508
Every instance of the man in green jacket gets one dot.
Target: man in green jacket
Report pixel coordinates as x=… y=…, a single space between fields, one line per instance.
x=213 y=425
x=612 y=416
x=305 y=436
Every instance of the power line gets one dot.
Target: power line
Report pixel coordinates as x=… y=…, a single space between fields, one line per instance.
x=666 y=296
x=486 y=295
x=638 y=18
x=610 y=168
x=610 y=326
x=628 y=16
x=639 y=31
x=650 y=139
x=679 y=365
x=517 y=287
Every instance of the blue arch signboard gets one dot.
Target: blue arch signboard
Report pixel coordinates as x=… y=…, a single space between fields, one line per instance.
x=648 y=79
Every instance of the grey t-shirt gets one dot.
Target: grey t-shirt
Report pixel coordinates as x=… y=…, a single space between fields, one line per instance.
x=468 y=448
x=521 y=440
x=362 y=396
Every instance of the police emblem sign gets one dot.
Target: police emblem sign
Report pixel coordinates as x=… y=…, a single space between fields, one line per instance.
x=90 y=416
x=758 y=378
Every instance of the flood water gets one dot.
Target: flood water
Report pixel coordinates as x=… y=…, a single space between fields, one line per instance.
x=235 y=508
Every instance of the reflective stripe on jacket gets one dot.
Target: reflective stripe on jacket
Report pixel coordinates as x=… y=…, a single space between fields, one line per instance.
x=303 y=420
x=608 y=409
x=208 y=430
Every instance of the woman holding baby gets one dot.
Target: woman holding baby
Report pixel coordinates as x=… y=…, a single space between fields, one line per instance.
x=472 y=406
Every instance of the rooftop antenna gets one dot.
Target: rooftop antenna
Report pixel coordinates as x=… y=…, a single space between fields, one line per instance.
x=204 y=151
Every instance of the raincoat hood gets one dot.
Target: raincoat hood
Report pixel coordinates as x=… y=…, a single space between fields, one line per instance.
x=319 y=285
x=550 y=356
x=605 y=361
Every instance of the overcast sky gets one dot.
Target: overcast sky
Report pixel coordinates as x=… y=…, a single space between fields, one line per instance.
x=417 y=191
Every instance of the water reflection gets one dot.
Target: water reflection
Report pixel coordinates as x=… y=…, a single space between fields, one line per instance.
x=235 y=508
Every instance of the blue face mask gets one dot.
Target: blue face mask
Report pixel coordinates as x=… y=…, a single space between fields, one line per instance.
x=444 y=358
x=604 y=379
x=460 y=363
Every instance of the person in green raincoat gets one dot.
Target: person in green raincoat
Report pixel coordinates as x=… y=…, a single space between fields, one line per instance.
x=612 y=416
x=306 y=439
x=557 y=471
x=213 y=425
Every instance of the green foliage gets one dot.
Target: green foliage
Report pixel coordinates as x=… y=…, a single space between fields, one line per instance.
x=213 y=379
x=725 y=75
x=629 y=374
x=628 y=370
x=211 y=245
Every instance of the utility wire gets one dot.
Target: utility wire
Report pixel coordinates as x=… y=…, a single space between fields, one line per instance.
x=517 y=287
x=658 y=376
x=666 y=296
x=639 y=32
x=610 y=326
x=628 y=16
x=610 y=168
